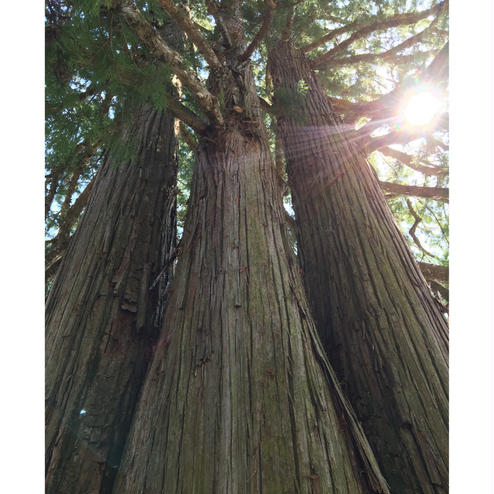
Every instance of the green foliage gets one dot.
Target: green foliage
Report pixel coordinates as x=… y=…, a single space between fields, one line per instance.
x=96 y=69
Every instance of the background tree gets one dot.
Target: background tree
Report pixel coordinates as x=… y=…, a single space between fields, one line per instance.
x=105 y=306
x=376 y=317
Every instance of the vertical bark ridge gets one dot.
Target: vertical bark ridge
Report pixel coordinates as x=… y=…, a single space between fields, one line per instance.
x=237 y=398
x=101 y=317
x=381 y=328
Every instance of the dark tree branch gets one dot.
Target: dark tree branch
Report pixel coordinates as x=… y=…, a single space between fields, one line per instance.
x=285 y=35
x=192 y=32
x=412 y=230
x=386 y=106
x=434 y=272
x=58 y=244
x=325 y=59
x=263 y=30
x=188 y=138
x=363 y=28
x=266 y=106
x=372 y=144
x=437 y=193
x=186 y=116
x=410 y=161
x=391 y=55
x=155 y=43
x=86 y=152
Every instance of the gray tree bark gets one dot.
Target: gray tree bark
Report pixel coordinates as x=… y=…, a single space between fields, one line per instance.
x=375 y=315
x=102 y=318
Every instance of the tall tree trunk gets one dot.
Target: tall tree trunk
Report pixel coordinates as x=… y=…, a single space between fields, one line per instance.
x=375 y=315
x=239 y=397
x=236 y=399
x=102 y=317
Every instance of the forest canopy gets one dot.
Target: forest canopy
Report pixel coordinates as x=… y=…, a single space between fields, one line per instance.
x=375 y=60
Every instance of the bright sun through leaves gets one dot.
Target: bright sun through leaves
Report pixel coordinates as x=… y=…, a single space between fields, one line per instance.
x=421 y=108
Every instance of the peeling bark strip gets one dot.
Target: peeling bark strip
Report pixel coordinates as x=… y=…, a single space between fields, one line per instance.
x=98 y=335
x=377 y=320
x=237 y=400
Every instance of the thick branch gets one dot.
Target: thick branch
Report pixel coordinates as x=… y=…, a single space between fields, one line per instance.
x=387 y=55
x=87 y=151
x=385 y=106
x=434 y=272
x=266 y=106
x=52 y=269
x=443 y=291
x=375 y=24
x=289 y=23
x=372 y=144
x=390 y=55
x=437 y=193
x=268 y=18
x=410 y=161
x=192 y=32
x=186 y=116
x=188 y=137
x=152 y=39
x=59 y=243
x=324 y=60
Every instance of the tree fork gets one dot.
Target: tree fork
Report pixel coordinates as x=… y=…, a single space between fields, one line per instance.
x=239 y=397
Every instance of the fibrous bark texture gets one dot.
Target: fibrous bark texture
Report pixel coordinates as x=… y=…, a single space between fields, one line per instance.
x=102 y=316
x=239 y=397
x=374 y=313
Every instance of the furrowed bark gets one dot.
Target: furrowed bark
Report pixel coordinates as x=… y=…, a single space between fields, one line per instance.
x=239 y=397
x=101 y=317
x=236 y=400
x=375 y=315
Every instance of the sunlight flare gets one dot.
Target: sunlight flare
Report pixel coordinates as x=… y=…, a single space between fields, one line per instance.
x=421 y=108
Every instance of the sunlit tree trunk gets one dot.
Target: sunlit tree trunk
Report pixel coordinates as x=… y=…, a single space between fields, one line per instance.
x=104 y=309
x=375 y=315
x=239 y=397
